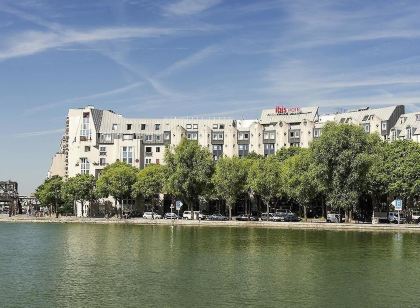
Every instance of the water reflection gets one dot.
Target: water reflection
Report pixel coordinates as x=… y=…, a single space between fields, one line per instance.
x=123 y=265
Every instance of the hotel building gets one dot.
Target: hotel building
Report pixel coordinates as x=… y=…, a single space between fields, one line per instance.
x=95 y=138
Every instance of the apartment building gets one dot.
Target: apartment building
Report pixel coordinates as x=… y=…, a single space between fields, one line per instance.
x=95 y=138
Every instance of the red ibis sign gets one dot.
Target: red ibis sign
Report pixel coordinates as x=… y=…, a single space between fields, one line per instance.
x=286 y=110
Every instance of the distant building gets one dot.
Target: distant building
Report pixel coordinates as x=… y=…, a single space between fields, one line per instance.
x=95 y=138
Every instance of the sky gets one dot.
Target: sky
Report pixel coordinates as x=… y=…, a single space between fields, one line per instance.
x=203 y=58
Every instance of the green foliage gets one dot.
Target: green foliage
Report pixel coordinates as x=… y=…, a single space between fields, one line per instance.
x=342 y=155
x=285 y=153
x=229 y=180
x=189 y=170
x=403 y=166
x=80 y=188
x=301 y=178
x=265 y=179
x=117 y=180
x=49 y=193
x=150 y=182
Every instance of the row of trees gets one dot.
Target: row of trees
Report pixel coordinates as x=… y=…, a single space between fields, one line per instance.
x=344 y=169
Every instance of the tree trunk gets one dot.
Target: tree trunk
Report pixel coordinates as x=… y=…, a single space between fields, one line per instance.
x=268 y=210
x=82 y=206
x=305 y=216
x=230 y=211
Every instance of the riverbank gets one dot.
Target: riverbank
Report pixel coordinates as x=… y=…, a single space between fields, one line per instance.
x=313 y=225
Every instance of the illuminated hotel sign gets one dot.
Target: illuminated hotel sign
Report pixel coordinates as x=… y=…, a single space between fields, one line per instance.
x=285 y=110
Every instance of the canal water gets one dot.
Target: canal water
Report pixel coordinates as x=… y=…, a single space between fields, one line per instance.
x=82 y=265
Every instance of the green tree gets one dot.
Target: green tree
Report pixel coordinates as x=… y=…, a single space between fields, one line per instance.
x=150 y=183
x=402 y=164
x=342 y=154
x=265 y=179
x=300 y=179
x=117 y=180
x=80 y=188
x=285 y=153
x=189 y=169
x=49 y=193
x=229 y=180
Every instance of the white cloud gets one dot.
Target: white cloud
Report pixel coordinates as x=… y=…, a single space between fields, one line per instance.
x=40 y=133
x=120 y=90
x=32 y=42
x=190 y=7
x=189 y=61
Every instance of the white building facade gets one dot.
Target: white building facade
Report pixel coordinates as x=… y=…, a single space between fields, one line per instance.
x=95 y=138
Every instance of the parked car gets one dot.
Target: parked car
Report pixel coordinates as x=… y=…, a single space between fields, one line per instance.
x=171 y=216
x=271 y=217
x=333 y=217
x=291 y=217
x=217 y=217
x=415 y=216
x=151 y=215
x=393 y=218
x=245 y=217
x=197 y=215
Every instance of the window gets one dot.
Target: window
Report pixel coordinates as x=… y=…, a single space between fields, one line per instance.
x=157 y=138
x=102 y=151
x=342 y=120
x=243 y=136
x=189 y=126
x=128 y=137
x=84 y=165
x=85 y=132
x=272 y=135
x=114 y=126
x=195 y=126
x=217 y=151
x=157 y=126
x=149 y=137
x=107 y=138
x=243 y=150
x=87 y=148
x=148 y=161
x=127 y=155
x=148 y=149
x=217 y=136
x=316 y=133
x=297 y=134
x=192 y=136
x=367 y=128
x=142 y=126
x=215 y=126
x=157 y=149
x=393 y=135
x=157 y=161
x=384 y=126
x=102 y=161
x=418 y=117
x=365 y=118
x=128 y=126
x=409 y=133
x=266 y=135
x=268 y=149
x=167 y=136
x=222 y=126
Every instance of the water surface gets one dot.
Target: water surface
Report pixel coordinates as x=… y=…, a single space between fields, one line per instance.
x=87 y=265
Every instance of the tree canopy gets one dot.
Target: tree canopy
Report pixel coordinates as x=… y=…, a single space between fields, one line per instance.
x=189 y=169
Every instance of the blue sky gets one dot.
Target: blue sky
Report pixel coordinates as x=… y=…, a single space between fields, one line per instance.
x=193 y=58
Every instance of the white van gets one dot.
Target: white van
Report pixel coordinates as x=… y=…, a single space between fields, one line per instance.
x=197 y=215
x=335 y=218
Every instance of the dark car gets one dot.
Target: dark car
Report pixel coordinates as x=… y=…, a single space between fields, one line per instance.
x=217 y=217
x=291 y=217
x=171 y=216
x=245 y=217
